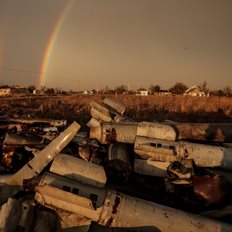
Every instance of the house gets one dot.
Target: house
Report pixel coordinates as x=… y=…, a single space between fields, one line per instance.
x=142 y=93
x=10 y=91
x=163 y=93
x=195 y=90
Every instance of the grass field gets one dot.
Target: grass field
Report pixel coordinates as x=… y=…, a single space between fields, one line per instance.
x=150 y=108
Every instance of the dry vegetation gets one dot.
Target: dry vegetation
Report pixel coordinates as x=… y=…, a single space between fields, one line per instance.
x=151 y=108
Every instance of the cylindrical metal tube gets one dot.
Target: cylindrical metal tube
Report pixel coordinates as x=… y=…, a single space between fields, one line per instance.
x=123 y=211
x=212 y=132
x=202 y=154
x=114 y=104
x=80 y=170
x=120 y=210
x=156 y=131
x=124 y=132
x=100 y=116
x=74 y=187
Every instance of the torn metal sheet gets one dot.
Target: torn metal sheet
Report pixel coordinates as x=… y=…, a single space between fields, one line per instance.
x=80 y=170
x=202 y=154
x=184 y=169
x=108 y=132
x=156 y=131
x=39 y=162
x=116 y=105
x=10 y=214
x=151 y=167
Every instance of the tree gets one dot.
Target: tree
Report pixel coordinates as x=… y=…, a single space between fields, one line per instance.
x=227 y=91
x=50 y=91
x=31 y=88
x=154 y=88
x=178 y=88
x=204 y=87
x=120 y=89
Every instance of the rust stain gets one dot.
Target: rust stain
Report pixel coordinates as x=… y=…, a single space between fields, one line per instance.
x=116 y=204
x=109 y=222
x=111 y=135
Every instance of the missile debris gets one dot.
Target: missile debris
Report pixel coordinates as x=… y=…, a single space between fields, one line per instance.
x=38 y=163
x=118 y=175
x=78 y=169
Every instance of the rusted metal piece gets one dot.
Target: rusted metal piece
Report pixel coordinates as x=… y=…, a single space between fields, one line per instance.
x=119 y=165
x=84 y=152
x=211 y=189
x=124 y=132
x=114 y=104
x=10 y=214
x=184 y=169
x=211 y=132
x=80 y=170
x=156 y=131
x=20 y=140
x=38 y=163
x=151 y=167
x=203 y=155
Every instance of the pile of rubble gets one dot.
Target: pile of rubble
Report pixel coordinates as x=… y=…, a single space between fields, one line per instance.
x=121 y=175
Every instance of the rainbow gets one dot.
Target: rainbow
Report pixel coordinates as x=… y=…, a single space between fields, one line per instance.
x=51 y=43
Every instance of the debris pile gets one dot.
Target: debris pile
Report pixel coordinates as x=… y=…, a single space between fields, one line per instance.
x=120 y=175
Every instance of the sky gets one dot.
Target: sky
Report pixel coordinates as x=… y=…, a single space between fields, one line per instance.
x=91 y=44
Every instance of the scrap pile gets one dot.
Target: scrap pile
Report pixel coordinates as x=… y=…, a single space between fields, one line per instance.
x=121 y=175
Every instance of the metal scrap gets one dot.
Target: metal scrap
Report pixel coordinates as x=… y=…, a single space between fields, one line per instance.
x=120 y=174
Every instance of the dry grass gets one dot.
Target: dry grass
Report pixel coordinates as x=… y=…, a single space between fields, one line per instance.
x=150 y=108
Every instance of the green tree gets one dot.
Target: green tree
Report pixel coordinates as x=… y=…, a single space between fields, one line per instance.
x=178 y=88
